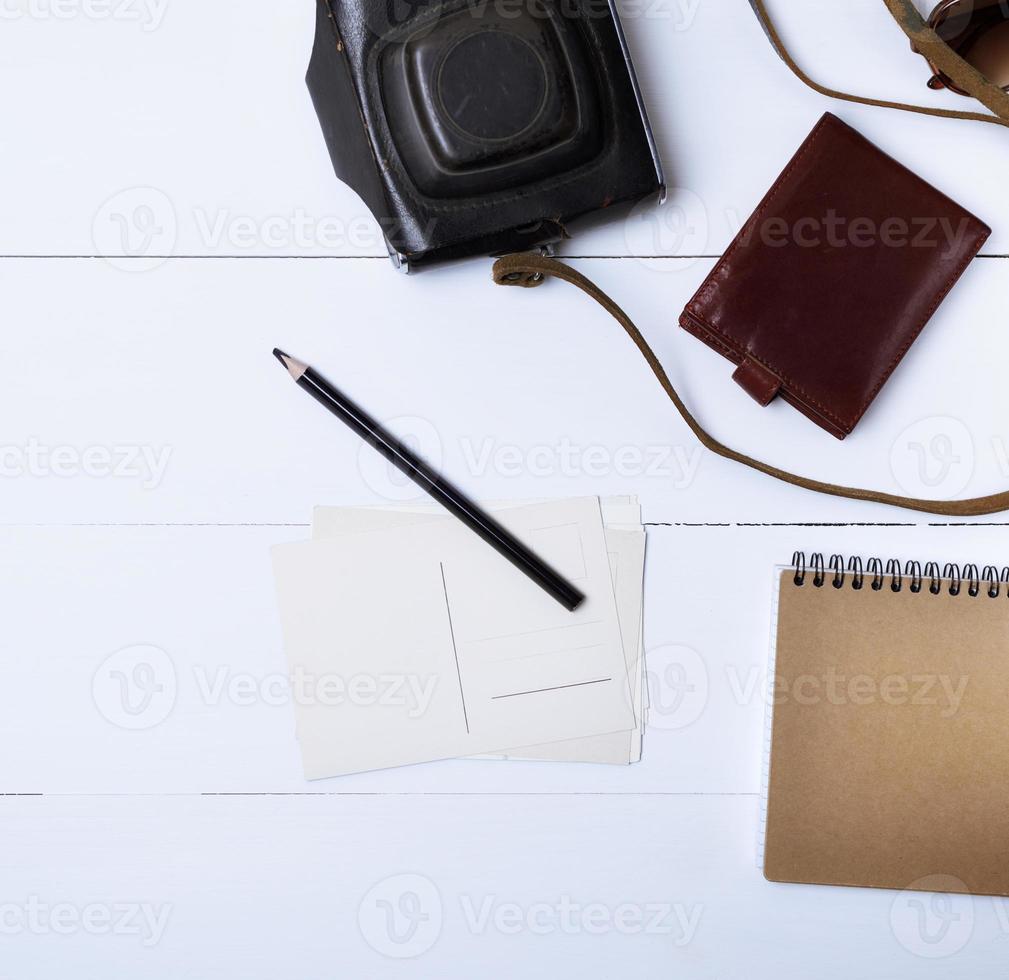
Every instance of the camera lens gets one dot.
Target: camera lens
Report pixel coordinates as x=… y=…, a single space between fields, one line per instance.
x=489 y=101
x=492 y=85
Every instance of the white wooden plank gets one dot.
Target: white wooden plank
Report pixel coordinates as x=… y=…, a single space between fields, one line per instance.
x=180 y=127
x=198 y=114
x=555 y=887
x=149 y=660
x=729 y=114
x=167 y=379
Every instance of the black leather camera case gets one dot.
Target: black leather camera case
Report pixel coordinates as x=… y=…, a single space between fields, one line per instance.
x=480 y=126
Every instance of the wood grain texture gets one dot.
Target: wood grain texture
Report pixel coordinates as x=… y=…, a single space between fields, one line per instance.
x=141 y=491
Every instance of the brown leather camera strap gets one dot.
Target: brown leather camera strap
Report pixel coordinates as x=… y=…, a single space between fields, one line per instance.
x=926 y=42
x=530 y=269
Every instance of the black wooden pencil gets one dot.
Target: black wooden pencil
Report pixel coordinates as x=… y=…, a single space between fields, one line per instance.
x=450 y=497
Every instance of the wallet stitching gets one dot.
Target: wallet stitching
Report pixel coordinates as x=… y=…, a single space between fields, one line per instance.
x=939 y=297
x=712 y=340
x=710 y=285
x=787 y=394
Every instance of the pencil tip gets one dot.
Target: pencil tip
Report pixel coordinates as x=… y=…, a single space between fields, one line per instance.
x=292 y=365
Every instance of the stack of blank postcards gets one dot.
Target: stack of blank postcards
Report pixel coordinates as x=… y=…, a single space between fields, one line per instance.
x=411 y=640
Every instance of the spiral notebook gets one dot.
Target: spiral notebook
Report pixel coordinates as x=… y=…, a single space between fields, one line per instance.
x=888 y=739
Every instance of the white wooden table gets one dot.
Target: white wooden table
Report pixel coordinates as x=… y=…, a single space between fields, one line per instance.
x=169 y=215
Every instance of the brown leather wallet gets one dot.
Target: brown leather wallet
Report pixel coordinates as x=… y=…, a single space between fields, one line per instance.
x=833 y=277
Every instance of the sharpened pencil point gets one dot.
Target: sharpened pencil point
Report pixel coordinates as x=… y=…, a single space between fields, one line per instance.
x=293 y=366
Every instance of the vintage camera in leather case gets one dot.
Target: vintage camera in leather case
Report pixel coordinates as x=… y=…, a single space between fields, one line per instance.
x=475 y=127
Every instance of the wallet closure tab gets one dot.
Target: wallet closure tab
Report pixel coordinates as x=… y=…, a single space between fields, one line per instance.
x=757 y=381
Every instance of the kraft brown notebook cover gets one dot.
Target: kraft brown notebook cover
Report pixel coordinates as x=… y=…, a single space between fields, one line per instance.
x=889 y=756
x=833 y=277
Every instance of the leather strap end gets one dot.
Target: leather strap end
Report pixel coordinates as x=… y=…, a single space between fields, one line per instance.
x=925 y=42
x=514 y=270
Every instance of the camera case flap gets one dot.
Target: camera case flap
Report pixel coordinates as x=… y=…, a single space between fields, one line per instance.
x=474 y=127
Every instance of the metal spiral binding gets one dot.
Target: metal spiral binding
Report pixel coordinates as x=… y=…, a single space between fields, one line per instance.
x=989 y=581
